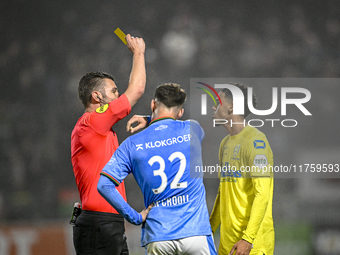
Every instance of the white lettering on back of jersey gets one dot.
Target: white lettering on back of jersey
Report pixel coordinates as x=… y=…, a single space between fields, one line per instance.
x=172 y=201
x=168 y=142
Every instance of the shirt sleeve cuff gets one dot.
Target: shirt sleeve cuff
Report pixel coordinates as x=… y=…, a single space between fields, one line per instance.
x=247 y=238
x=115 y=181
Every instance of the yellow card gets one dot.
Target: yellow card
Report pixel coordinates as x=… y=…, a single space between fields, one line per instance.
x=121 y=35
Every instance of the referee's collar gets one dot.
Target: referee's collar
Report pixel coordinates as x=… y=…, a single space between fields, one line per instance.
x=160 y=118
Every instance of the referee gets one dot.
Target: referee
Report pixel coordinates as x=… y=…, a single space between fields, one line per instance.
x=100 y=229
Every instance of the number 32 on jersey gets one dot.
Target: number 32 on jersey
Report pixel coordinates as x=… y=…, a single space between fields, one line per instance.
x=160 y=172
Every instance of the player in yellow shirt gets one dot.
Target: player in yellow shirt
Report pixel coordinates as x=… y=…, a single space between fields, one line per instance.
x=243 y=206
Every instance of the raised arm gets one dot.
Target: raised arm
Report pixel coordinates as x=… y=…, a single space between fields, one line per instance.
x=137 y=80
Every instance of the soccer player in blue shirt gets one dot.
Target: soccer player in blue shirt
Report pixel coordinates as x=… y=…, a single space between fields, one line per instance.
x=159 y=157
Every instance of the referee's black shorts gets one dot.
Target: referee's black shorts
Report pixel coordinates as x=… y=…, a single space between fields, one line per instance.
x=98 y=233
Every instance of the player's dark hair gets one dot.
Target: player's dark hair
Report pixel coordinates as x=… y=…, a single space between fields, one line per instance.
x=243 y=87
x=90 y=82
x=170 y=94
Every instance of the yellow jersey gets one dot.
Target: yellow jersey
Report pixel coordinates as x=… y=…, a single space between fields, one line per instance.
x=243 y=206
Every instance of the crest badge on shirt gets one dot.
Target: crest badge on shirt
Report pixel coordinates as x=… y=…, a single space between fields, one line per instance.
x=236 y=150
x=102 y=109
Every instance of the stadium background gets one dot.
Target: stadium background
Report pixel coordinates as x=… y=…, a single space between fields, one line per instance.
x=47 y=46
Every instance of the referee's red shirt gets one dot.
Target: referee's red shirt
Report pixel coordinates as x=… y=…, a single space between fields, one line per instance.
x=92 y=144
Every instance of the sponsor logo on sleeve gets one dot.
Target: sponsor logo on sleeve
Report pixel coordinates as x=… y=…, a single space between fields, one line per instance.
x=102 y=109
x=111 y=161
x=259 y=144
x=260 y=161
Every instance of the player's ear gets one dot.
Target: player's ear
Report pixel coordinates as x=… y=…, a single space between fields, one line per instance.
x=153 y=105
x=96 y=96
x=180 y=113
x=230 y=108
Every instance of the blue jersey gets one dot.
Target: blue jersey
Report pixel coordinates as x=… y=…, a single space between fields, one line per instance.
x=159 y=158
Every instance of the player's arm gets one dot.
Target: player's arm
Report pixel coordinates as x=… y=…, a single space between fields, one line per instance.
x=104 y=118
x=107 y=188
x=262 y=195
x=258 y=210
x=113 y=173
x=196 y=128
x=262 y=192
x=262 y=186
x=137 y=79
x=215 y=219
